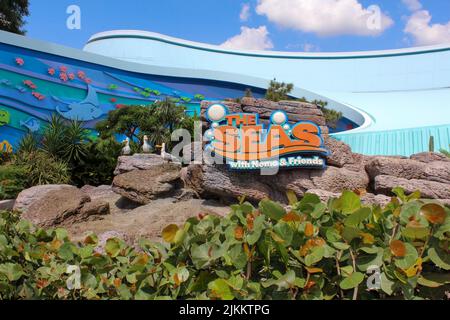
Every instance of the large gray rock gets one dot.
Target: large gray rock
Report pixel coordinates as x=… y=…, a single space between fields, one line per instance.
x=340 y=153
x=228 y=185
x=217 y=181
x=428 y=157
x=429 y=189
x=438 y=171
x=52 y=205
x=137 y=162
x=332 y=179
x=143 y=186
x=146 y=221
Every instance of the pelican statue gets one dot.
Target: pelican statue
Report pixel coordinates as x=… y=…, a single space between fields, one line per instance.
x=126 y=151
x=146 y=148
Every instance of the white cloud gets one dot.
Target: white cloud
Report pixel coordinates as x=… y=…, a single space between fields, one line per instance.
x=250 y=39
x=326 y=17
x=419 y=28
x=413 y=5
x=245 y=12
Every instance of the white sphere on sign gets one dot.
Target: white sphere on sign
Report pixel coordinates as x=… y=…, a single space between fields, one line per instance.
x=287 y=127
x=215 y=124
x=216 y=112
x=279 y=117
x=209 y=134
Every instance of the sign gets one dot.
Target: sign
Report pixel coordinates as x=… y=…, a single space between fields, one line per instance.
x=246 y=144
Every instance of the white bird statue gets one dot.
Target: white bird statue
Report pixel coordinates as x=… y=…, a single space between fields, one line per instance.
x=126 y=151
x=165 y=155
x=146 y=148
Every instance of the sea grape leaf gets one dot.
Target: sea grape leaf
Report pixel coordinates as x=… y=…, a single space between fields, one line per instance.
x=409 y=259
x=272 y=209
x=349 y=202
x=219 y=289
x=352 y=281
x=354 y=219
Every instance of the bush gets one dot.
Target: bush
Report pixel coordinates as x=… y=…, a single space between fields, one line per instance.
x=315 y=251
x=278 y=91
x=13 y=180
x=42 y=168
x=98 y=164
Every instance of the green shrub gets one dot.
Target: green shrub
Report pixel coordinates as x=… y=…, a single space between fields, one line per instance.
x=278 y=91
x=446 y=152
x=98 y=164
x=13 y=179
x=43 y=168
x=315 y=251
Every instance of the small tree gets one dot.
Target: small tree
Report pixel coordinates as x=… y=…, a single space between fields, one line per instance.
x=332 y=117
x=278 y=91
x=124 y=121
x=157 y=121
x=12 y=13
x=248 y=93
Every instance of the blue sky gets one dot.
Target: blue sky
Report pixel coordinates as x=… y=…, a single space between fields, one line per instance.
x=282 y=25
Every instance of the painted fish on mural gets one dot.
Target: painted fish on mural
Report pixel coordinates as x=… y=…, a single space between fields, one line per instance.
x=4 y=117
x=31 y=124
x=5 y=82
x=5 y=146
x=86 y=110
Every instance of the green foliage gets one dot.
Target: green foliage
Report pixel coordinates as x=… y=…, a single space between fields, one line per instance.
x=199 y=97
x=42 y=168
x=29 y=143
x=13 y=14
x=67 y=154
x=98 y=164
x=157 y=121
x=332 y=117
x=316 y=251
x=64 y=140
x=446 y=152
x=278 y=91
x=13 y=179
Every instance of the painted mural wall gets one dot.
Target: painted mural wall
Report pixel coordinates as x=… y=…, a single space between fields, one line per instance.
x=34 y=85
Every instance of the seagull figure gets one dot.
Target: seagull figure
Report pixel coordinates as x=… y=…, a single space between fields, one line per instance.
x=146 y=148
x=126 y=151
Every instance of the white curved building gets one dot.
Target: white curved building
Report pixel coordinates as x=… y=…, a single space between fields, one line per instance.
x=398 y=98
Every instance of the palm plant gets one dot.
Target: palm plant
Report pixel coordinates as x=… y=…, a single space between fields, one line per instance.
x=53 y=136
x=75 y=142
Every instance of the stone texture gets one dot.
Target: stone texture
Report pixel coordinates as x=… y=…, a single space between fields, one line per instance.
x=52 y=205
x=296 y=110
x=332 y=179
x=438 y=171
x=117 y=203
x=367 y=199
x=429 y=189
x=148 y=220
x=218 y=181
x=31 y=195
x=48 y=206
x=7 y=204
x=143 y=186
x=428 y=157
x=137 y=162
